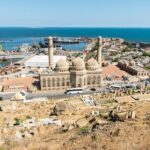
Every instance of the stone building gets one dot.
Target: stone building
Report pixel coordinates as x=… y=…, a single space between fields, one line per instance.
x=74 y=74
x=132 y=68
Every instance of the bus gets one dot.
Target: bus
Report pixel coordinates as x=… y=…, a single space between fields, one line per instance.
x=115 y=87
x=74 y=91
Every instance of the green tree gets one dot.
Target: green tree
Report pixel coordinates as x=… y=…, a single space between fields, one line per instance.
x=146 y=54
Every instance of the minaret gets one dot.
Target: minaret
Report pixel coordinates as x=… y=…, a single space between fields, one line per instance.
x=99 y=51
x=50 y=53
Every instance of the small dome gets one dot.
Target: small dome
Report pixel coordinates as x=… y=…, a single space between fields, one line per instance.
x=62 y=65
x=78 y=64
x=126 y=62
x=19 y=96
x=92 y=64
x=132 y=63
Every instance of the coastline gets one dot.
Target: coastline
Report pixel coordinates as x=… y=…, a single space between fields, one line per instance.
x=133 y=34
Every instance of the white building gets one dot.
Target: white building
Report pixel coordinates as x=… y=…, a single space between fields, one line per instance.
x=42 y=61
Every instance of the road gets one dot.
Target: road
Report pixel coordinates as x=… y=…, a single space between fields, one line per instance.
x=55 y=95
x=11 y=56
x=7 y=96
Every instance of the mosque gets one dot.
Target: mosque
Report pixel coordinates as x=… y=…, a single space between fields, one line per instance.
x=75 y=74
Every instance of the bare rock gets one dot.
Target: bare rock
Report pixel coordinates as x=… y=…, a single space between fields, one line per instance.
x=61 y=107
x=118 y=116
x=82 y=122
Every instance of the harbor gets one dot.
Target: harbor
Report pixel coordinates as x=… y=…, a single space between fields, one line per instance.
x=15 y=50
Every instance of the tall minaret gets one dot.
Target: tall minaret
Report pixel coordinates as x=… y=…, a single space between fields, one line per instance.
x=50 y=52
x=99 y=51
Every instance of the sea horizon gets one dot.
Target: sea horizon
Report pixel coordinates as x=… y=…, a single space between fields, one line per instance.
x=132 y=27
x=15 y=36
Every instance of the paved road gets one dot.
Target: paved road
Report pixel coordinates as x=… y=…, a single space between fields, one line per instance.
x=7 y=96
x=11 y=56
x=48 y=95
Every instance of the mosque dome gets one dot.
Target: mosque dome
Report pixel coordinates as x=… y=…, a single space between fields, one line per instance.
x=126 y=62
x=92 y=64
x=62 y=65
x=78 y=64
x=132 y=63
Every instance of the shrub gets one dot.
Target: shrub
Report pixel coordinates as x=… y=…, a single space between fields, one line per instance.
x=147 y=67
x=146 y=54
x=28 y=117
x=17 y=122
x=1 y=109
x=83 y=130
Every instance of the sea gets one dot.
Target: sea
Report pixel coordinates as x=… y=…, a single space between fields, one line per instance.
x=12 y=37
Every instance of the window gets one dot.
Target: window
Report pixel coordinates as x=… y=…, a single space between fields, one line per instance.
x=94 y=80
x=89 y=81
x=49 y=83
x=98 y=80
x=84 y=81
x=79 y=82
x=63 y=81
x=53 y=82
x=44 y=83
x=68 y=81
x=58 y=82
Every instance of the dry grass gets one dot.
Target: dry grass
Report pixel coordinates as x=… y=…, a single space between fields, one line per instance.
x=128 y=135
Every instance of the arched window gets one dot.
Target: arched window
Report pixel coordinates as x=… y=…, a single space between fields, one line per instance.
x=94 y=80
x=84 y=81
x=58 y=82
x=79 y=82
x=98 y=80
x=89 y=80
x=44 y=82
x=53 y=82
x=49 y=83
x=68 y=81
x=63 y=81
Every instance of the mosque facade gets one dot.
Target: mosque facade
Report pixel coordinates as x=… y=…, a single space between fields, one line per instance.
x=75 y=74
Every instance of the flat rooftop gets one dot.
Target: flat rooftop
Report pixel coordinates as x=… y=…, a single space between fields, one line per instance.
x=16 y=81
x=138 y=68
x=112 y=70
x=42 y=60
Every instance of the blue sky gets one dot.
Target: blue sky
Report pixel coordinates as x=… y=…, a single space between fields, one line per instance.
x=95 y=13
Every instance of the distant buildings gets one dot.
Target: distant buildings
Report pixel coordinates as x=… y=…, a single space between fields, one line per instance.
x=18 y=84
x=113 y=73
x=132 y=68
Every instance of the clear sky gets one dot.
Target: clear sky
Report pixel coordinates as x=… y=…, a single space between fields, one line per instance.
x=99 y=13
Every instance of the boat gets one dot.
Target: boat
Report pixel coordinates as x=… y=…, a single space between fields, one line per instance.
x=57 y=40
x=4 y=59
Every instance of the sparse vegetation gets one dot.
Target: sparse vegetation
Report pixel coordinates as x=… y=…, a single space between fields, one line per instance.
x=17 y=122
x=28 y=117
x=2 y=148
x=83 y=130
x=83 y=126
x=126 y=50
x=147 y=67
x=146 y=54
x=116 y=59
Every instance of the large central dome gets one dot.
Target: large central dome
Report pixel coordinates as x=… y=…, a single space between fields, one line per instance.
x=78 y=64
